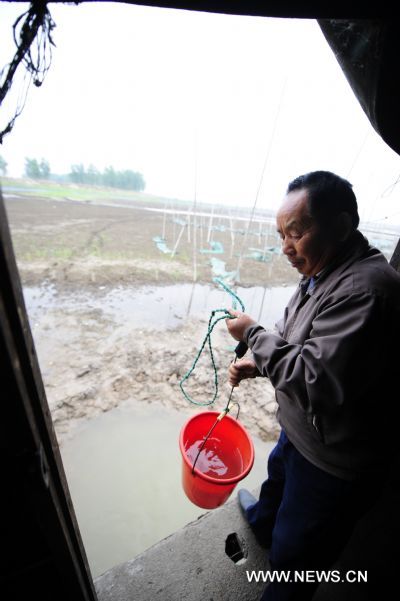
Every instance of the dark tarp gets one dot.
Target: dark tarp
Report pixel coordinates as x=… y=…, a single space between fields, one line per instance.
x=368 y=51
x=364 y=39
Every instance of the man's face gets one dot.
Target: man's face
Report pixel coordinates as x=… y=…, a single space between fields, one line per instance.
x=303 y=242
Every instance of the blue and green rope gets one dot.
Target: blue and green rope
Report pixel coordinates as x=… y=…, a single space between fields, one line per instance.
x=216 y=316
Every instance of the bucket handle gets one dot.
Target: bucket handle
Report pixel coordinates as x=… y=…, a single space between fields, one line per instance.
x=219 y=418
x=240 y=351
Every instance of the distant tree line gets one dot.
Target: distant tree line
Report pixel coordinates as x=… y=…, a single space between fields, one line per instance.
x=35 y=169
x=127 y=179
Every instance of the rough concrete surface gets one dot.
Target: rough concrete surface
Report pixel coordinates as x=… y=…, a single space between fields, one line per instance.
x=191 y=565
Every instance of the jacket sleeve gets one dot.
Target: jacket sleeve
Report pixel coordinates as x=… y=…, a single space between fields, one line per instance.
x=336 y=364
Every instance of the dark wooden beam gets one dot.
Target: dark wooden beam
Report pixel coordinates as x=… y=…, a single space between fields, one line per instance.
x=309 y=9
x=395 y=260
x=45 y=557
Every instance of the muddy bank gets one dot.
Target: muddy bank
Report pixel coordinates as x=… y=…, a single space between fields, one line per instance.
x=90 y=364
x=96 y=353
x=74 y=243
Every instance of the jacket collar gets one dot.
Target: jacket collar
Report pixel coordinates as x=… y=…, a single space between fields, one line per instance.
x=355 y=248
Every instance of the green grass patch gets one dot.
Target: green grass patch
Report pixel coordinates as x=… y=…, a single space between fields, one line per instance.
x=61 y=191
x=60 y=253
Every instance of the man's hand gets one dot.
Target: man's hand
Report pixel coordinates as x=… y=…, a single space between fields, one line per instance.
x=236 y=327
x=240 y=370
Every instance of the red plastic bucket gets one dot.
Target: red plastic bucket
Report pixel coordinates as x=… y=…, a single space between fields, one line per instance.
x=226 y=458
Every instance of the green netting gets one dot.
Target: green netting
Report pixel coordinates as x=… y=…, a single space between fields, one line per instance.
x=217 y=248
x=162 y=245
x=179 y=221
x=219 y=271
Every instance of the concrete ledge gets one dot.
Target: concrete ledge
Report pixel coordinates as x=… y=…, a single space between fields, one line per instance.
x=192 y=564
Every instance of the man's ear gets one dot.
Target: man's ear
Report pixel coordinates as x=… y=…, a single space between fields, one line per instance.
x=344 y=226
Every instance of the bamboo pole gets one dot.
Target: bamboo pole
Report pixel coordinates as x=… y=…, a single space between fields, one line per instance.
x=194 y=212
x=210 y=224
x=164 y=222
x=178 y=240
x=201 y=230
x=232 y=237
x=262 y=304
x=194 y=248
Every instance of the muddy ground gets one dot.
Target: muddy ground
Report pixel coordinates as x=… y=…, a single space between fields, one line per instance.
x=91 y=362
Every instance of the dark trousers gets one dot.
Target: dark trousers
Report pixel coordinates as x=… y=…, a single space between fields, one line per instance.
x=305 y=516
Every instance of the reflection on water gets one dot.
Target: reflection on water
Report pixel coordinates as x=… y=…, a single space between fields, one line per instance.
x=161 y=306
x=213 y=461
x=124 y=473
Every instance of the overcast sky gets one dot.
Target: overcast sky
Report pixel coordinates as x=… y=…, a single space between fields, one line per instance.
x=161 y=91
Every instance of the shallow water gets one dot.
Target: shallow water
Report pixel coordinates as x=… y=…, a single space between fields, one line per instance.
x=124 y=473
x=124 y=467
x=213 y=460
x=153 y=307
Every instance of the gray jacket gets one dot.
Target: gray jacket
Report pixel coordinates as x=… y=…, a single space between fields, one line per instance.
x=334 y=364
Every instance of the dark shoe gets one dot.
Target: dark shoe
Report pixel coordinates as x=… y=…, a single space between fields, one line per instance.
x=246 y=500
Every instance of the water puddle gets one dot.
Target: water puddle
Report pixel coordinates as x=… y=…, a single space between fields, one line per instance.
x=124 y=474
x=152 y=307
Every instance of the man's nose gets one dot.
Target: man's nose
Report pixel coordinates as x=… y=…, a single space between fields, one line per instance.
x=287 y=246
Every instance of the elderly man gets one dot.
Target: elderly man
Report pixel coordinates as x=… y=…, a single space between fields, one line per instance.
x=333 y=363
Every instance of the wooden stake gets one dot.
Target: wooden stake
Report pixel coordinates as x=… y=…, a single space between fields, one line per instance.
x=178 y=240
x=210 y=224
x=164 y=222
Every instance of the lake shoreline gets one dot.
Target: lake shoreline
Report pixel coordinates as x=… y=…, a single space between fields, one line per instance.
x=81 y=264
x=92 y=362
